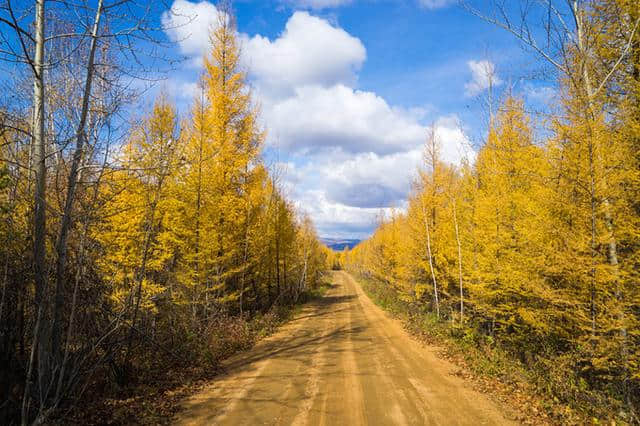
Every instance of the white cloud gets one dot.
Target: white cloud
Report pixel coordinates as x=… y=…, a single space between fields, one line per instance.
x=356 y=155
x=349 y=155
x=338 y=220
x=309 y=51
x=355 y=122
x=365 y=180
x=455 y=146
x=483 y=76
x=540 y=94
x=179 y=89
x=189 y=25
x=334 y=186
x=436 y=4
x=338 y=116
x=393 y=170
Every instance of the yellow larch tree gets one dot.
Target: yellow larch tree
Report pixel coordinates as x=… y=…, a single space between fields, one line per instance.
x=222 y=170
x=131 y=233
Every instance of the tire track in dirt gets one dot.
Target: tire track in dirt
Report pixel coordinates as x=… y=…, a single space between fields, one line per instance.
x=226 y=392
x=342 y=360
x=312 y=388
x=396 y=367
x=439 y=394
x=342 y=399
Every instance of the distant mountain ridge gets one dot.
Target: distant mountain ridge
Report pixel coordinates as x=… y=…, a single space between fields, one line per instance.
x=338 y=244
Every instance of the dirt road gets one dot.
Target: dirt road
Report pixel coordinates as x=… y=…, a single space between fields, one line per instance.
x=341 y=361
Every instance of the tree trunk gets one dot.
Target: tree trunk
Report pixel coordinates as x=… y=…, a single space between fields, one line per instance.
x=39 y=228
x=433 y=275
x=198 y=268
x=244 y=257
x=455 y=223
x=65 y=226
x=612 y=250
x=303 y=277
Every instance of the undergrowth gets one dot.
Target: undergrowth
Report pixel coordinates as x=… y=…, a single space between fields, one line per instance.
x=161 y=382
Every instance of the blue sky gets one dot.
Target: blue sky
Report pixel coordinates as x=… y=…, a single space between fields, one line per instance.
x=349 y=89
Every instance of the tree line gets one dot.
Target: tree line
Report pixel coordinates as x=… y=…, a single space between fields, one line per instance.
x=128 y=247
x=534 y=245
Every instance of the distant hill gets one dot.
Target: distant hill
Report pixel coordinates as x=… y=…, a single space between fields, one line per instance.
x=338 y=244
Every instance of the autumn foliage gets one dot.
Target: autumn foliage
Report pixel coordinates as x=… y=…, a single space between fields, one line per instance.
x=532 y=246
x=183 y=248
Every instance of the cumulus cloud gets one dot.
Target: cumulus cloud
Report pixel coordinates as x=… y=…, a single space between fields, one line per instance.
x=371 y=180
x=338 y=116
x=454 y=144
x=367 y=195
x=539 y=94
x=309 y=51
x=436 y=4
x=483 y=75
x=394 y=170
x=350 y=156
x=179 y=89
x=346 y=194
x=338 y=220
x=189 y=25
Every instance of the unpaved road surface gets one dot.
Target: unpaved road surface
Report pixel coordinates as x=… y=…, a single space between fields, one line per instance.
x=341 y=361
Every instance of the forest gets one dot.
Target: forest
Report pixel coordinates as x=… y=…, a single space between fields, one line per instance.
x=141 y=243
x=532 y=246
x=131 y=246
